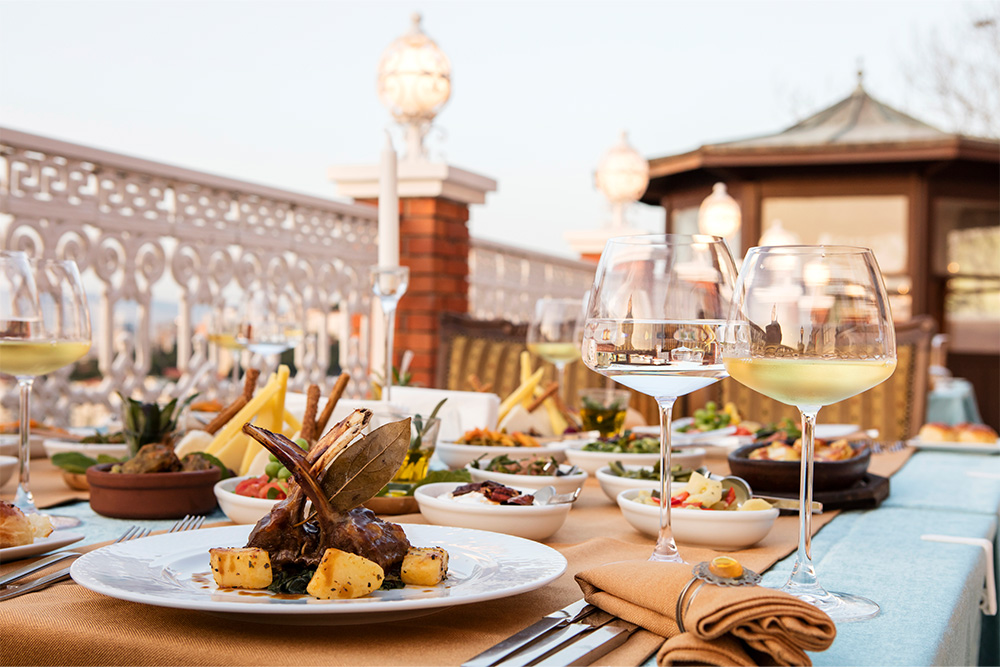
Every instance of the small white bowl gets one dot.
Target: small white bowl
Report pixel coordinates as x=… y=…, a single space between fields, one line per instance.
x=93 y=450
x=533 y=522
x=241 y=509
x=8 y=464
x=721 y=530
x=9 y=442
x=612 y=484
x=455 y=455
x=594 y=461
x=562 y=484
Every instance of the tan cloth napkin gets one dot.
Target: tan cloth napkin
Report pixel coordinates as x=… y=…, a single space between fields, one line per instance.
x=751 y=621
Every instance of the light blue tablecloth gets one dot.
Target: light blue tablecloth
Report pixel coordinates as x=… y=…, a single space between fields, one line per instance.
x=953 y=401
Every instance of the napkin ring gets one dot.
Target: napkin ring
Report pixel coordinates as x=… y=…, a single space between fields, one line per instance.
x=714 y=573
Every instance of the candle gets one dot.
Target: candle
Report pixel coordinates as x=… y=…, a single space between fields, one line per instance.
x=388 y=208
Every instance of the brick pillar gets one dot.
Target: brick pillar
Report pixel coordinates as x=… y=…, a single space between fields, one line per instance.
x=434 y=244
x=434 y=200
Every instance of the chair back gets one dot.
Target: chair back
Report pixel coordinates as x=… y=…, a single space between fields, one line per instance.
x=896 y=407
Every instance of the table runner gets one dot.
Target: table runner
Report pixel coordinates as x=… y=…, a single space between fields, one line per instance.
x=67 y=624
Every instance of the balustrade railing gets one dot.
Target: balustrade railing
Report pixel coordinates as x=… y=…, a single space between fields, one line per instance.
x=157 y=245
x=505 y=281
x=162 y=248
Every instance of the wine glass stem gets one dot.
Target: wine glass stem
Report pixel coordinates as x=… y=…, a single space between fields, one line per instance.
x=803 y=578
x=666 y=549
x=236 y=371
x=561 y=378
x=390 y=329
x=22 y=497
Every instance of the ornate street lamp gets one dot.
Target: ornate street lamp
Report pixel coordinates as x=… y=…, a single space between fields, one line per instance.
x=622 y=175
x=414 y=83
x=719 y=214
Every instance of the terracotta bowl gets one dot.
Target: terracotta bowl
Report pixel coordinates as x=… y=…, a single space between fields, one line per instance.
x=783 y=476
x=155 y=495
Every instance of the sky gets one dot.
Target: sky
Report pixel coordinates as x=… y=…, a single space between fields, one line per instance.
x=277 y=92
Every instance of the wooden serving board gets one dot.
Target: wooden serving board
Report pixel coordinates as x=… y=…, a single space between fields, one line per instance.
x=867 y=493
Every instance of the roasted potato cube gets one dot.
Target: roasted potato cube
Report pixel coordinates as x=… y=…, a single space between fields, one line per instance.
x=342 y=575
x=236 y=567
x=424 y=566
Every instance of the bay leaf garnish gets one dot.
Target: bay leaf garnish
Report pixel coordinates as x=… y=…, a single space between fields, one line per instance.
x=361 y=470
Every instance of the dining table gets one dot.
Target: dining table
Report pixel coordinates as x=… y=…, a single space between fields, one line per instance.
x=930 y=592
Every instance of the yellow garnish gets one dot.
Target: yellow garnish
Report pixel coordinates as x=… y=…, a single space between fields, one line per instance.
x=724 y=566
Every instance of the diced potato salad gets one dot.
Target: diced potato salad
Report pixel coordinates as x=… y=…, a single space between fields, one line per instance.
x=704 y=494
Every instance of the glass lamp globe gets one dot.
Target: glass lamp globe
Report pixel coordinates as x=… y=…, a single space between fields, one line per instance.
x=622 y=174
x=414 y=77
x=719 y=214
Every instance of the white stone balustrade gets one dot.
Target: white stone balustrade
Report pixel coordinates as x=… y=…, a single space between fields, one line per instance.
x=505 y=282
x=144 y=233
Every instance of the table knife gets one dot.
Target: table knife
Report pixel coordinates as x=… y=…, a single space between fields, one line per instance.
x=37 y=565
x=588 y=648
x=557 y=619
x=552 y=641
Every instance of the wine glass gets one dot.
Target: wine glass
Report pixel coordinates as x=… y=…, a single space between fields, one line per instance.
x=652 y=324
x=388 y=285
x=810 y=326
x=270 y=324
x=554 y=333
x=223 y=332
x=44 y=325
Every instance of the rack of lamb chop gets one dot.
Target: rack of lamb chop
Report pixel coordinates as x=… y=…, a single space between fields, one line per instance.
x=323 y=511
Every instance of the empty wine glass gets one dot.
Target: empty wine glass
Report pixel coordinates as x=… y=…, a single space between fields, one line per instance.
x=554 y=333
x=810 y=326
x=652 y=324
x=271 y=324
x=44 y=325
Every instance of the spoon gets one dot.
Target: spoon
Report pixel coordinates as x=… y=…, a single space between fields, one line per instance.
x=547 y=496
x=745 y=493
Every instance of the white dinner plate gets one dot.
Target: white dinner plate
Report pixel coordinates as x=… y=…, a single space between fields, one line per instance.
x=56 y=539
x=966 y=447
x=172 y=570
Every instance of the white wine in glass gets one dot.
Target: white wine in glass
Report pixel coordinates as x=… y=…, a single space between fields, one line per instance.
x=653 y=321
x=554 y=333
x=44 y=325
x=810 y=326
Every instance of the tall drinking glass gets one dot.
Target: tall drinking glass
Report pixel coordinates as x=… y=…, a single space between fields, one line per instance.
x=810 y=326
x=554 y=333
x=44 y=325
x=271 y=324
x=653 y=320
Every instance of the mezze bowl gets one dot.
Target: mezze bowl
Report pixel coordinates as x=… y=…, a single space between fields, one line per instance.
x=561 y=483
x=456 y=455
x=8 y=464
x=783 y=476
x=723 y=530
x=533 y=522
x=594 y=461
x=240 y=509
x=154 y=495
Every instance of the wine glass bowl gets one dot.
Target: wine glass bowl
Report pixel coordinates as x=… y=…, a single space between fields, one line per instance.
x=810 y=326
x=270 y=325
x=554 y=333
x=652 y=324
x=44 y=325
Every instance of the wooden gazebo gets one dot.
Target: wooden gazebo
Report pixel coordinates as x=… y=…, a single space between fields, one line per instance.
x=863 y=173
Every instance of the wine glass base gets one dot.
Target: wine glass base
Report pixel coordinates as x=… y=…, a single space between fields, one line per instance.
x=59 y=522
x=840 y=607
x=661 y=558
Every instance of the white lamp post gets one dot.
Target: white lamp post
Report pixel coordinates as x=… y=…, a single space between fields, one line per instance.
x=414 y=83
x=622 y=175
x=776 y=234
x=719 y=214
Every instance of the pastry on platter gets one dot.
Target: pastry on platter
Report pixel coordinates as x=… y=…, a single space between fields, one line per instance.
x=976 y=433
x=938 y=432
x=18 y=528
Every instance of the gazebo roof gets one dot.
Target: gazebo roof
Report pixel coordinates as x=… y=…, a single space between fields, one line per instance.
x=858 y=129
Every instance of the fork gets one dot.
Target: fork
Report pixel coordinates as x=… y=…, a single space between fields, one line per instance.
x=12 y=590
x=887 y=447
